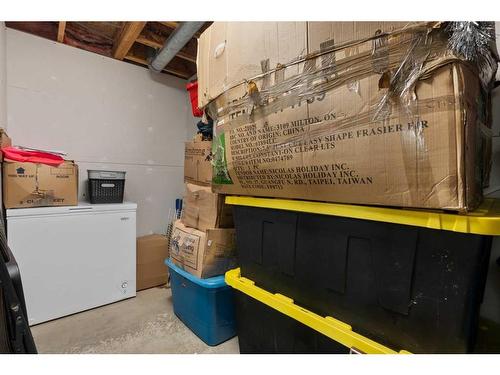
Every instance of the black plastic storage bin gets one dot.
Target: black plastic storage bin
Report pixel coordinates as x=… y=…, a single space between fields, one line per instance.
x=106 y=186
x=263 y=330
x=391 y=276
x=273 y=323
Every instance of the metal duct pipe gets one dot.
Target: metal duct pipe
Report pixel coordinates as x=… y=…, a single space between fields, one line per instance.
x=179 y=38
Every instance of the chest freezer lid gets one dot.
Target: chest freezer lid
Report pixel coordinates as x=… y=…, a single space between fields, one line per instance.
x=483 y=221
x=82 y=207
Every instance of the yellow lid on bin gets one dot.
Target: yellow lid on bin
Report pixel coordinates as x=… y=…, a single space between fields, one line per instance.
x=484 y=221
x=328 y=326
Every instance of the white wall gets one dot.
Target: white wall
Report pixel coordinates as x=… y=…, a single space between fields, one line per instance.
x=106 y=114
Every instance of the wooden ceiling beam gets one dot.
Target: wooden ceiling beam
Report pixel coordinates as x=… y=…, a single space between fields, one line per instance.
x=126 y=38
x=173 y=25
x=170 y=24
x=147 y=40
x=61 y=28
x=141 y=60
x=186 y=57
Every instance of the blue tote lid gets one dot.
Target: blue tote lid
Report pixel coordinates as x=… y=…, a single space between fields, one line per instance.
x=212 y=282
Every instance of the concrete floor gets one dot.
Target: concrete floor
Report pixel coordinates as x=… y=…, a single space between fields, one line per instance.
x=144 y=324
x=147 y=324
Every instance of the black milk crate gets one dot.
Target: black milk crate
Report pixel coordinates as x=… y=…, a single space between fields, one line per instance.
x=106 y=186
x=409 y=279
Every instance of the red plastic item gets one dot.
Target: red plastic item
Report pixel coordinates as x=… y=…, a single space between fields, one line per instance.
x=15 y=154
x=192 y=88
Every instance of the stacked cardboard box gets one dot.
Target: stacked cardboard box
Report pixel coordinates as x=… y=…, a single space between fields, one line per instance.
x=27 y=184
x=152 y=250
x=197 y=162
x=204 y=209
x=5 y=141
x=36 y=185
x=203 y=239
x=385 y=113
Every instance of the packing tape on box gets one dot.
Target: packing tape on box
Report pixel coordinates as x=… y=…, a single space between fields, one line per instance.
x=401 y=58
x=411 y=53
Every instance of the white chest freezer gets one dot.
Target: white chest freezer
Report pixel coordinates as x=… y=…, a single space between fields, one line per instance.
x=73 y=258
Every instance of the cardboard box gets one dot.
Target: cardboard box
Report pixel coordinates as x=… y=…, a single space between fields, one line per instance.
x=231 y=52
x=152 y=250
x=203 y=209
x=197 y=162
x=319 y=129
x=203 y=254
x=5 y=141
x=36 y=185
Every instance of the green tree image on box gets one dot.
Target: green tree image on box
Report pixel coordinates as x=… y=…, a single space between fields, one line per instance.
x=219 y=162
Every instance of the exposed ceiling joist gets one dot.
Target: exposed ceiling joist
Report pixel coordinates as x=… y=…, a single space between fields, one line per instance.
x=150 y=41
x=126 y=38
x=186 y=56
x=137 y=59
x=142 y=39
x=134 y=42
x=143 y=61
x=61 y=28
x=170 y=24
x=181 y=68
x=173 y=25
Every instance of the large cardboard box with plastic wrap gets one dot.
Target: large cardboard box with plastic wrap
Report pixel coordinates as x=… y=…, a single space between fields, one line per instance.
x=356 y=112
